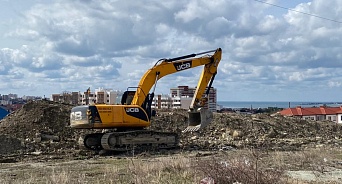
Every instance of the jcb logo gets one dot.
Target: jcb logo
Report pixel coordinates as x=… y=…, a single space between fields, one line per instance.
x=183 y=66
x=132 y=109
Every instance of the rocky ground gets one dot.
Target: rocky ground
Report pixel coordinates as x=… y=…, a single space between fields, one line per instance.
x=39 y=133
x=41 y=127
x=260 y=131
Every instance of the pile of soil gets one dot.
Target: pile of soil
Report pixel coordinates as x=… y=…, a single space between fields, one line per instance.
x=42 y=127
x=38 y=127
x=261 y=131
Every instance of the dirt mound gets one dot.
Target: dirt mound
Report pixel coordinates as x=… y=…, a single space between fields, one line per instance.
x=39 y=126
x=43 y=127
x=264 y=131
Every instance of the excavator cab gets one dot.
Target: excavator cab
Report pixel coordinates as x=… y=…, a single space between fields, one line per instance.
x=127 y=97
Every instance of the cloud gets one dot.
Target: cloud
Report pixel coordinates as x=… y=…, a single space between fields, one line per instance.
x=111 y=44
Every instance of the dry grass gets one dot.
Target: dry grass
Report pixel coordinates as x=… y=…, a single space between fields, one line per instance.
x=104 y=170
x=246 y=168
x=225 y=167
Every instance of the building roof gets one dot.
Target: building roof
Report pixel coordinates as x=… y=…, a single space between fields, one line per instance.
x=307 y=111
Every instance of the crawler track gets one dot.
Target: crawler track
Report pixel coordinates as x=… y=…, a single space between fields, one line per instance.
x=123 y=141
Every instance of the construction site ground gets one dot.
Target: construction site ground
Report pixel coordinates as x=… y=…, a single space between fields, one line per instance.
x=38 y=146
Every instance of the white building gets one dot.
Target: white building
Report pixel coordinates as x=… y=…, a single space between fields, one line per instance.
x=99 y=96
x=162 y=102
x=105 y=96
x=181 y=98
x=333 y=114
x=186 y=93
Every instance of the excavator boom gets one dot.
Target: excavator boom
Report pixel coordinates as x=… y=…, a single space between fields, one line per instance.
x=173 y=65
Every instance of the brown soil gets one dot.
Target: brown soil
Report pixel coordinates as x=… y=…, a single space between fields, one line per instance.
x=38 y=134
x=42 y=127
x=259 y=131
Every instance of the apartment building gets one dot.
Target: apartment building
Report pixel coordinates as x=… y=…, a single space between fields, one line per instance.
x=106 y=96
x=66 y=97
x=181 y=97
x=162 y=102
x=186 y=92
x=168 y=102
x=99 y=96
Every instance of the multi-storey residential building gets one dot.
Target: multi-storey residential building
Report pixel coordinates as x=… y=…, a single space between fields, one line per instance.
x=186 y=92
x=100 y=96
x=5 y=97
x=75 y=98
x=12 y=96
x=87 y=97
x=162 y=102
x=64 y=97
x=181 y=97
x=182 y=91
x=106 y=96
x=168 y=102
x=5 y=102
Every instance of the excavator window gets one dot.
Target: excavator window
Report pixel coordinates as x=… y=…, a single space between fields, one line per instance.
x=127 y=97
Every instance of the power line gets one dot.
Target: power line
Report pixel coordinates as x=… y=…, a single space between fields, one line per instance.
x=313 y=15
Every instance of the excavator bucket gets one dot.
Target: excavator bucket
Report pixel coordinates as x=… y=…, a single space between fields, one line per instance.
x=199 y=120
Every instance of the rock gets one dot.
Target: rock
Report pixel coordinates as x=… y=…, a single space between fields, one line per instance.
x=36 y=153
x=45 y=137
x=272 y=133
x=237 y=133
x=193 y=137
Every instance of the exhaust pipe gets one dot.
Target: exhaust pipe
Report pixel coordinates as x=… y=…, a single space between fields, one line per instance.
x=198 y=120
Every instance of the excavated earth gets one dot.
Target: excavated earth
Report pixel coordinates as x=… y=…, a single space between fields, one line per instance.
x=42 y=128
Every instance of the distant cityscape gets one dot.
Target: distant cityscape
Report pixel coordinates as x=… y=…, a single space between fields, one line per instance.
x=179 y=97
x=13 y=101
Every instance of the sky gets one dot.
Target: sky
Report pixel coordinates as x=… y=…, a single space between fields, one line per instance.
x=273 y=50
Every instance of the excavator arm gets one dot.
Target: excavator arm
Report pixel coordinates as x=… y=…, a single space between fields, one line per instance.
x=170 y=66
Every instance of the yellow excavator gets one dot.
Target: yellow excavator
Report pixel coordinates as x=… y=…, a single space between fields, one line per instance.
x=129 y=120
